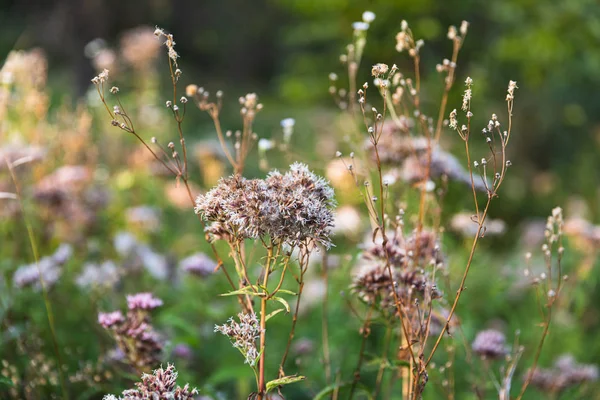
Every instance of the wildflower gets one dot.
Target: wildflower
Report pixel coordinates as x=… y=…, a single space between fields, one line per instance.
x=288 y=128
x=464 y=25
x=105 y=275
x=243 y=335
x=360 y=26
x=198 y=264
x=565 y=373
x=47 y=269
x=264 y=145
x=368 y=17
x=108 y=320
x=373 y=282
x=291 y=208
x=467 y=96
x=183 y=351
x=490 y=344
x=159 y=385
x=100 y=78
x=133 y=332
x=451 y=32
x=379 y=69
x=512 y=85
x=143 y=301
x=453 y=121
x=170 y=43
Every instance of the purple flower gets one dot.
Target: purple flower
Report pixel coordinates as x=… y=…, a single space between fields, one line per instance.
x=184 y=351
x=110 y=319
x=143 y=301
x=198 y=264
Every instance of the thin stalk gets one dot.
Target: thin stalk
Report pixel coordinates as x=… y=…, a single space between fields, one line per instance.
x=295 y=317
x=263 y=328
x=48 y=305
x=361 y=354
x=461 y=288
x=386 y=345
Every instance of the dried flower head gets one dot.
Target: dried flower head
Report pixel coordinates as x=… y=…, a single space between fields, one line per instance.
x=133 y=332
x=292 y=208
x=379 y=70
x=243 y=335
x=410 y=279
x=159 y=385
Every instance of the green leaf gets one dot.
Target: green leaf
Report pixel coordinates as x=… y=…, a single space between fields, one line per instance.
x=331 y=388
x=282 y=301
x=286 y=292
x=250 y=290
x=286 y=380
x=274 y=313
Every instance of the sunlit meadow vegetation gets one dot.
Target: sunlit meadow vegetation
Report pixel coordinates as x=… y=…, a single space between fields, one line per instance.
x=354 y=252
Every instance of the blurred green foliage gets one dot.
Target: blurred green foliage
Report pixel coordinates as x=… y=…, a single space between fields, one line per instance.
x=284 y=50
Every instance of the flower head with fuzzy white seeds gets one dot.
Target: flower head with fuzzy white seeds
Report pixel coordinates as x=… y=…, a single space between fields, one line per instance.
x=243 y=335
x=379 y=69
x=169 y=42
x=292 y=208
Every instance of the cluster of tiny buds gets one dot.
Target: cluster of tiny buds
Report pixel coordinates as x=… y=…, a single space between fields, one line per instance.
x=467 y=95
x=362 y=26
x=101 y=77
x=453 y=32
x=445 y=66
x=512 y=85
x=405 y=41
x=114 y=90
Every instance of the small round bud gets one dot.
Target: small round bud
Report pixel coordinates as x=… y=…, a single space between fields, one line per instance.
x=191 y=90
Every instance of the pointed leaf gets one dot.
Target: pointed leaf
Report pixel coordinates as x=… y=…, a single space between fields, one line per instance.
x=274 y=313
x=249 y=290
x=282 y=301
x=286 y=292
x=286 y=380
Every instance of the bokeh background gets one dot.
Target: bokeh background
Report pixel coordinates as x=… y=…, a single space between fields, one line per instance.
x=284 y=50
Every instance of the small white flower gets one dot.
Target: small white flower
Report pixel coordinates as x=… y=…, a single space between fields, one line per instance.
x=360 y=26
x=264 y=145
x=368 y=16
